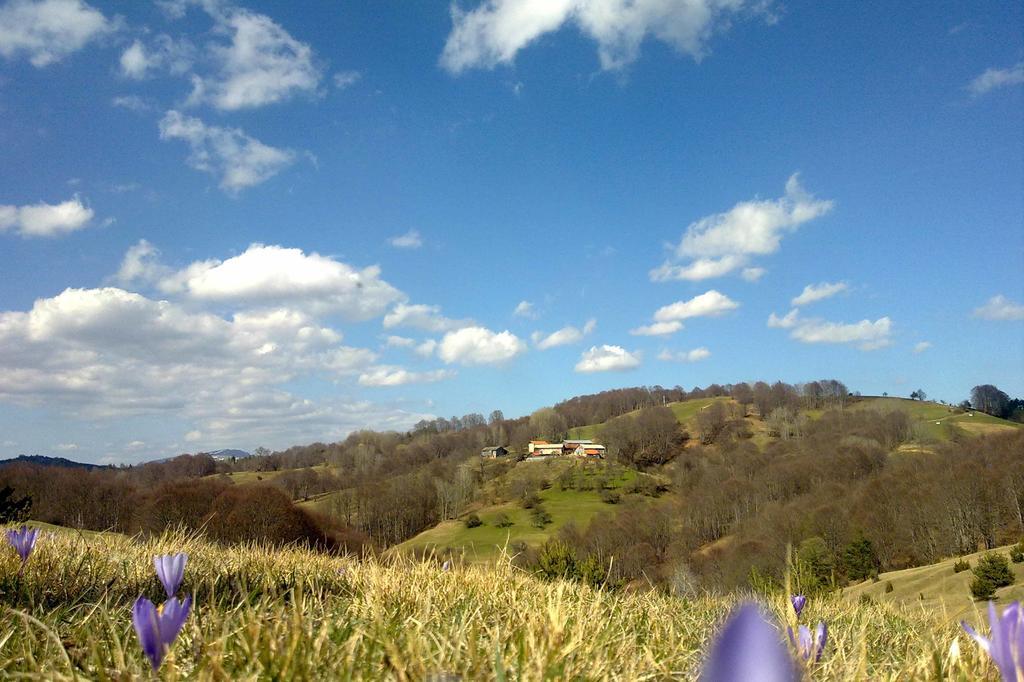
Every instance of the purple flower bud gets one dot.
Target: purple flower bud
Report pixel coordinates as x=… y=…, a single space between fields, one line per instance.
x=157 y=628
x=798 y=601
x=446 y=566
x=24 y=541
x=749 y=648
x=1005 y=644
x=808 y=645
x=170 y=568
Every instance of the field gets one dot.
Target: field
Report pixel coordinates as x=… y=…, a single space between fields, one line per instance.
x=936 y=589
x=485 y=543
x=291 y=614
x=933 y=421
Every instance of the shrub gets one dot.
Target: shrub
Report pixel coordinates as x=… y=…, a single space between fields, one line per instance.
x=531 y=500
x=472 y=521
x=1017 y=554
x=961 y=565
x=539 y=517
x=995 y=568
x=982 y=589
x=888 y=587
x=860 y=560
x=503 y=520
x=609 y=496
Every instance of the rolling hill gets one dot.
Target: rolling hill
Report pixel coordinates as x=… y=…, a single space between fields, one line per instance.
x=937 y=589
x=486 y=542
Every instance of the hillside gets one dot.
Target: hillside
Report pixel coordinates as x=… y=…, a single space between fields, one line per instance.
x=487 y=541
x=936 y=588
x=934 y=421
x=685 y=411
x=256 y=608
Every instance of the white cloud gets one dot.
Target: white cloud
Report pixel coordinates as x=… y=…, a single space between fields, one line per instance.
x=409 y=240
x=787 y=322
x=997 y=78
x=238 y=160
x=479 y=346
x=866 y=334
x=720 y=243
x=47 y=31
x=563 y=337
x=193 y=436
x=525 y=309
x=421 y=316
x=819 y=292
x=262 y=64
x=709 y=304
x=752 y=274
x=265 y=275
x=138 y=61
x=109 y=354
x=426 y=349
x=389 y=375
x=46 y=220
x=922 y=346
x=657 y=329
x=133 y=103
x=702 y=268
x=346 y=79
x=607 y=358
x=66 y=447
x=497 y=30
x=399 y=342
x=141 y=263
x=695 y=355
x=1000 y=308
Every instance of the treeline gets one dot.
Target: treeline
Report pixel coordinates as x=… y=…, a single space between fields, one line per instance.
x=762 y=396
x=173 y=494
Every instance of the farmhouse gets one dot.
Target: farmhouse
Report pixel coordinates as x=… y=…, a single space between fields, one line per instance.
x=573 y=447
x=494 y=452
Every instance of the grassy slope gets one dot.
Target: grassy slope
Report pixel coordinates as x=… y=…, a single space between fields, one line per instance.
x=684 y=411
x=290 y=614
x=485 y=543
x=944 y=591
x=935 y=421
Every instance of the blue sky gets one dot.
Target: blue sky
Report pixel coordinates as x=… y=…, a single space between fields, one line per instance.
x=231 y=225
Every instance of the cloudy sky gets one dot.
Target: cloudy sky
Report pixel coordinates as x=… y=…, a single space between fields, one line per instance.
x=232 y=225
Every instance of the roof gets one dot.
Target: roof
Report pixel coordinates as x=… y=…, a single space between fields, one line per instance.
x=494 y=447
x=578 y=440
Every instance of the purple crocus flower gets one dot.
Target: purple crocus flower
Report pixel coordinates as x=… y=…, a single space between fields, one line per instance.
x=808 y=645
x=170 y=568
x=749 y=649
x=24 y=541
x=1005 y=643
x=798 y=601
x=158 y=627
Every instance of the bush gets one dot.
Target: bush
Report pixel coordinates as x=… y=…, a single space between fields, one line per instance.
x=531 y=500
x=472 y=521
x=503 y=520
x=609 y=496
x=539 y=517
x=888 y=587
x=982 y=589
x=995 y=568
x=961 y=565
x=1017 y=554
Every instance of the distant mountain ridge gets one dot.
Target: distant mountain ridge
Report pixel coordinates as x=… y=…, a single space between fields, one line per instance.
x=43 y=460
